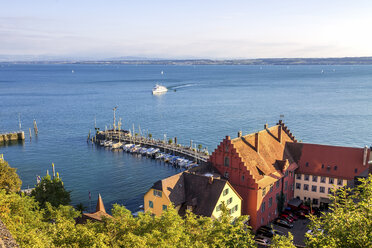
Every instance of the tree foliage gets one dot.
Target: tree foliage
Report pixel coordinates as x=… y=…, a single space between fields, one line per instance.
x=9 y=180
x=52 y=191
x=279 y=241
x=349 y=223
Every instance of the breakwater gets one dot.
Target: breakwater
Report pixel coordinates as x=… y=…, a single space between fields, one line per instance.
x=13 y=136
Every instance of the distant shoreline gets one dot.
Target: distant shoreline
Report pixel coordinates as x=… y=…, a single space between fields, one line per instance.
x=265 y=61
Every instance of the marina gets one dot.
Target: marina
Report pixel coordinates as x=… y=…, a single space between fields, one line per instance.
x=172 y=153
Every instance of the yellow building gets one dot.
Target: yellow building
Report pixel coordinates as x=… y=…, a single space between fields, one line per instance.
x=201 y=194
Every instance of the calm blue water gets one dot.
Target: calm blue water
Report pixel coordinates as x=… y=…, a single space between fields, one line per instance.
x=210 y=102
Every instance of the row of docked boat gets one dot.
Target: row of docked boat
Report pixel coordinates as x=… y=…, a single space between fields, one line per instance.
x=152 y=152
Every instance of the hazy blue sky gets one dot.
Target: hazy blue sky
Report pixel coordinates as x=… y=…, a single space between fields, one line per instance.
x=186 y=29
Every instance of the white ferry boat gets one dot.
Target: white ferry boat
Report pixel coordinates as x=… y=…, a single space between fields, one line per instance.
x=159 y=89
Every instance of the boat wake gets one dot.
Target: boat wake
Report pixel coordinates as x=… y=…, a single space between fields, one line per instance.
x=175 y=87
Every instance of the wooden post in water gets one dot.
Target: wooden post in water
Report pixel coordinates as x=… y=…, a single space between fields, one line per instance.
x=29 y=129
x=35 y=128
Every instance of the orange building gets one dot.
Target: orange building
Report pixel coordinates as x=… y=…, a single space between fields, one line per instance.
x=261 y=170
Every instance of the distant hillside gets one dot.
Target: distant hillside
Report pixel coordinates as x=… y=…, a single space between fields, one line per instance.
x=266 y=61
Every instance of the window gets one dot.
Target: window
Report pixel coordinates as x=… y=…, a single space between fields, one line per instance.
x=321 y=189
x=277 y=197
x=226 y=148
x=306 y=187
x=227 y=162
x=229 y=201
x=243 y=178
x=151 y=204
x=286 y=173
x=157 y=193
x=307 y=164
x=262 y=220
x=226 y=175
x=263 y=206
x=277 y=184
x=322 y=166
x=225 y=192
x=271 y=187
x=315 y=201
x=335 y=167
x=234 y=209
x=298 y=176
x=165 y=207
x=356 y=170
x=322 y=179
x=313 y=188
x=263 y=191
x=306 y=178
x=328 y=168
x=339 y=182
x=270 y=201
x=329 y=190
x=285 y=185
x=292 y=187
x=298 y=185
x=331 y=181
x=315 y=179
x=218 y=208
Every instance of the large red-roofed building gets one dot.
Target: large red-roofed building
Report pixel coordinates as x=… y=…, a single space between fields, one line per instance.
x=264 y=165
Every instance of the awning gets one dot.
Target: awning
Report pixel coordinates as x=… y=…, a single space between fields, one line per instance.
x=325 y=200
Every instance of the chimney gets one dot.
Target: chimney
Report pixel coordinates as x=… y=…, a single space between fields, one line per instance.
x=266 y=126
x=280 y=122
x=210 y=181
x=256 y=141
x=365 y=153
x=280 y=134
x=239 y=134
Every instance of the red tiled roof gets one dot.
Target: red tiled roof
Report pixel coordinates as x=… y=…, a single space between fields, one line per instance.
x=329 y=161
x=100 y=211
x=262 y=164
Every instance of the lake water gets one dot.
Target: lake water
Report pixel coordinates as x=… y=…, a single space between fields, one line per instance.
x=320 y=104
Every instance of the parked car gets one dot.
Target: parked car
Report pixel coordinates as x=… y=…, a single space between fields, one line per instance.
x=286 y=217
x=265 y=233
x=262 y=241
x=283 y=223
x=301 y=214
x=295 y=217
x=268 y=231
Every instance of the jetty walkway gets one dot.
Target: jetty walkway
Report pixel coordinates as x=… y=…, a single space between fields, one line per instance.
x=175 y=149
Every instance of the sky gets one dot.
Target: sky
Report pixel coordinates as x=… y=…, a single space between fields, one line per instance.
x=174 y=29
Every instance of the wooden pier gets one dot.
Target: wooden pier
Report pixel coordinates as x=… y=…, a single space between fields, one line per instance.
x=174 y=149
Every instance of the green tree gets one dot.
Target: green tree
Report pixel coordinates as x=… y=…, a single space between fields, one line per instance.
x=150 y=135
x=81 y=208
x=170 y=141
x=200 y=147
x=282 y=241
x=9 y=180
x=52 y=191
x=349 y=222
